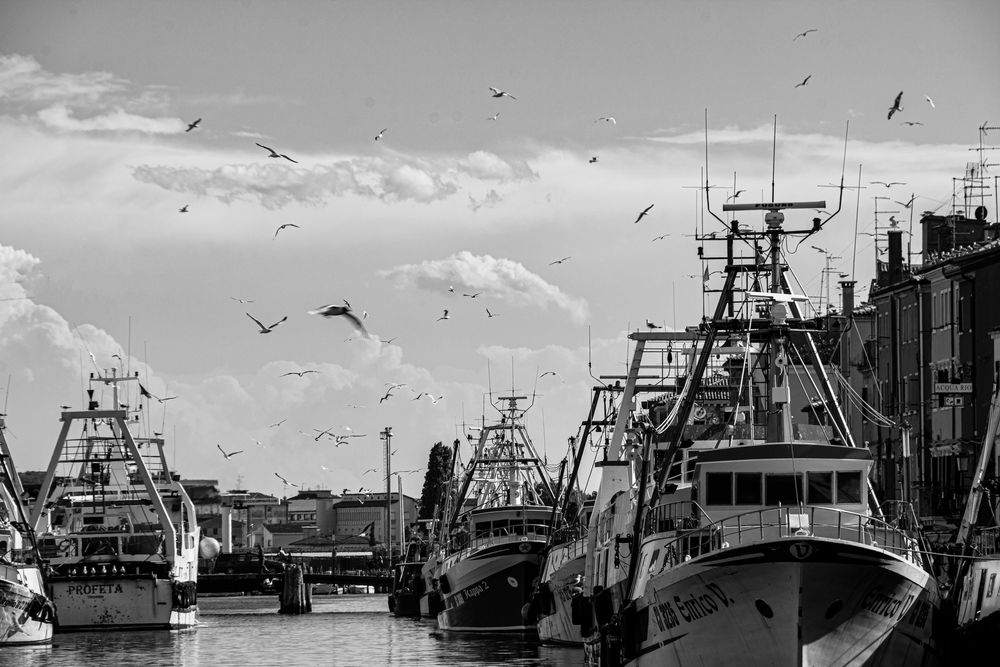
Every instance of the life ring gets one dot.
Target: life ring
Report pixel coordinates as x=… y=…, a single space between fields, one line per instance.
x=699 y=412
x=65 y=546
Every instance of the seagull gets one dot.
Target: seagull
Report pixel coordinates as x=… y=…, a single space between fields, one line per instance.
x=651 y=325
x=592 y=160
x=241 y=300
x=230 y=454
x=258 y=442
x=500 y=93
x=887 y=185
x=368 y=471
x=280 y=227
x=193 y=124
x=644 y=212
x=804 y=81
x=662 y=236
x=264 y=329
x=299 y=373
x=472 y=296
x=183 y=209
x=494 y=116
x=379 y=135
x=353 y=406
x=445 y=316
x=818 y=249
x=285 y=481
x=803 y=34
x=907 y=204
x=333 y=310
x=320 y=433
x=389 y=341
x=451 y=288
x=387 y=396
x=607 y=119
x=930 y=101
x=559 y=261
x=911 y=122
x=548 y=373
x=275 y=153
x=737 y=194
x=277 y=424
x=895 y=105
x=395 y=385
x=489 y=314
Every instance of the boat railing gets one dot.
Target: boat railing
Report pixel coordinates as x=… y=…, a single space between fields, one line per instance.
x=681 y=515
x=491 y=537
x=789 y=522
x=986 y=541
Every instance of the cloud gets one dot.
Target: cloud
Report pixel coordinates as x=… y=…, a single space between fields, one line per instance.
x=22 y=79
x=498 y=278
x=60 y=117
x=390 y=179
x=491 y=199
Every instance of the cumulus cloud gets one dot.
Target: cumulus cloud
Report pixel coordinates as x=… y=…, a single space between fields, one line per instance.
x=390 y=179
x=498 y=278
x=22 y=79
x=60 y=117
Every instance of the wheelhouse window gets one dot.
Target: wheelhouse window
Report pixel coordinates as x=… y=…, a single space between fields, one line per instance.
x=748 y=488
x=819 y=488
x=849 y=486
x=783 y=489
x=719 y=488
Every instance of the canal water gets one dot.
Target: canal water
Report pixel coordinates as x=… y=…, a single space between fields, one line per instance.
x=343 y=630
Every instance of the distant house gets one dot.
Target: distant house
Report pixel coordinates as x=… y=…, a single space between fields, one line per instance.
x=274 y=536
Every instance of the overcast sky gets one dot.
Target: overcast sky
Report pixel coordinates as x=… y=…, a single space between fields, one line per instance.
x=96 y=257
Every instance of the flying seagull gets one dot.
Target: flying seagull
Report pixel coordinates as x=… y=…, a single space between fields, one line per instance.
x=285 y=481
x=183 y=209
x=887 y=185
x=275 y=153
x=559 y=261
x=500 y=93
x=334 y=310
x=906 y=204
x=472 y=296
x=241 y=300
x=804 y=81
x=387 y=396
x=592 y=160
x=445 y=316
x=264 y=329
x=228 y=455
x=644 y=212
x=662 y=236
x=549 y=373
x=489 y=314
x=803 y=34
x=277 y=424
x=193 y=124
x=911 y=122
x=280 y=227
x=494 y=116
x=299 y=373
x=895 y=105
x=735 y=195
x=379 y=135
x=930 y=101
x=607 y=119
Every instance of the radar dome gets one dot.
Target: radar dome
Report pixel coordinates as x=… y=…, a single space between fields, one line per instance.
x=209 y=547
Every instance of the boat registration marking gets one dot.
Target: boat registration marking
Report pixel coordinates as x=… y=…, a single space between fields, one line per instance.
x=690 y=608
x=93 y=589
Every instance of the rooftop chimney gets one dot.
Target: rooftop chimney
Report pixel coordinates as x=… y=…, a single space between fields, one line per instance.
x=847 y=297
x=895 y=255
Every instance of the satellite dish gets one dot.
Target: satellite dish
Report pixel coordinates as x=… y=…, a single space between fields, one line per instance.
x=981 y=213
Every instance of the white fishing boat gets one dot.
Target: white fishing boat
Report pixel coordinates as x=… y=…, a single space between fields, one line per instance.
x=777 y=553
x=27 y=615
x=497 y=531
x=115 y=526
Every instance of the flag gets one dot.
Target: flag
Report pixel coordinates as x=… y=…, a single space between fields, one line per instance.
x=144 y=393
x=704 y=276
x=369 y=532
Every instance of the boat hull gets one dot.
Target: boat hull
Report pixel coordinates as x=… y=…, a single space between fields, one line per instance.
x=563 y=572
x=788 y=602
x=978 y=608
x=22 y=618
x=489 y=589
x=120 y=603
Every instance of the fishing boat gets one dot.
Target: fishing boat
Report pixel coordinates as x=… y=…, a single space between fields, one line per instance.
x=116 y=527
x=777 y=552
x=497 y=530
x=560 y=585
x=27 y=615
x=976 y=597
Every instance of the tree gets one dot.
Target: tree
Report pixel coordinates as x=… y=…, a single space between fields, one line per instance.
x=438 y=469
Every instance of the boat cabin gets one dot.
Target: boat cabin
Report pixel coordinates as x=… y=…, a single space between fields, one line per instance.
x=534 y=522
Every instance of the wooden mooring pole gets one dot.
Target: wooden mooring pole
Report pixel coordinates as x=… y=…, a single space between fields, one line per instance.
x=296 y=594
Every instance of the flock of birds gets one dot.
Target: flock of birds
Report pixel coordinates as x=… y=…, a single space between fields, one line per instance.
x=344 y=310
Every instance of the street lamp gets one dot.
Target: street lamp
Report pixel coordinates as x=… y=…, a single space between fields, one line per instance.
x=386 y=436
